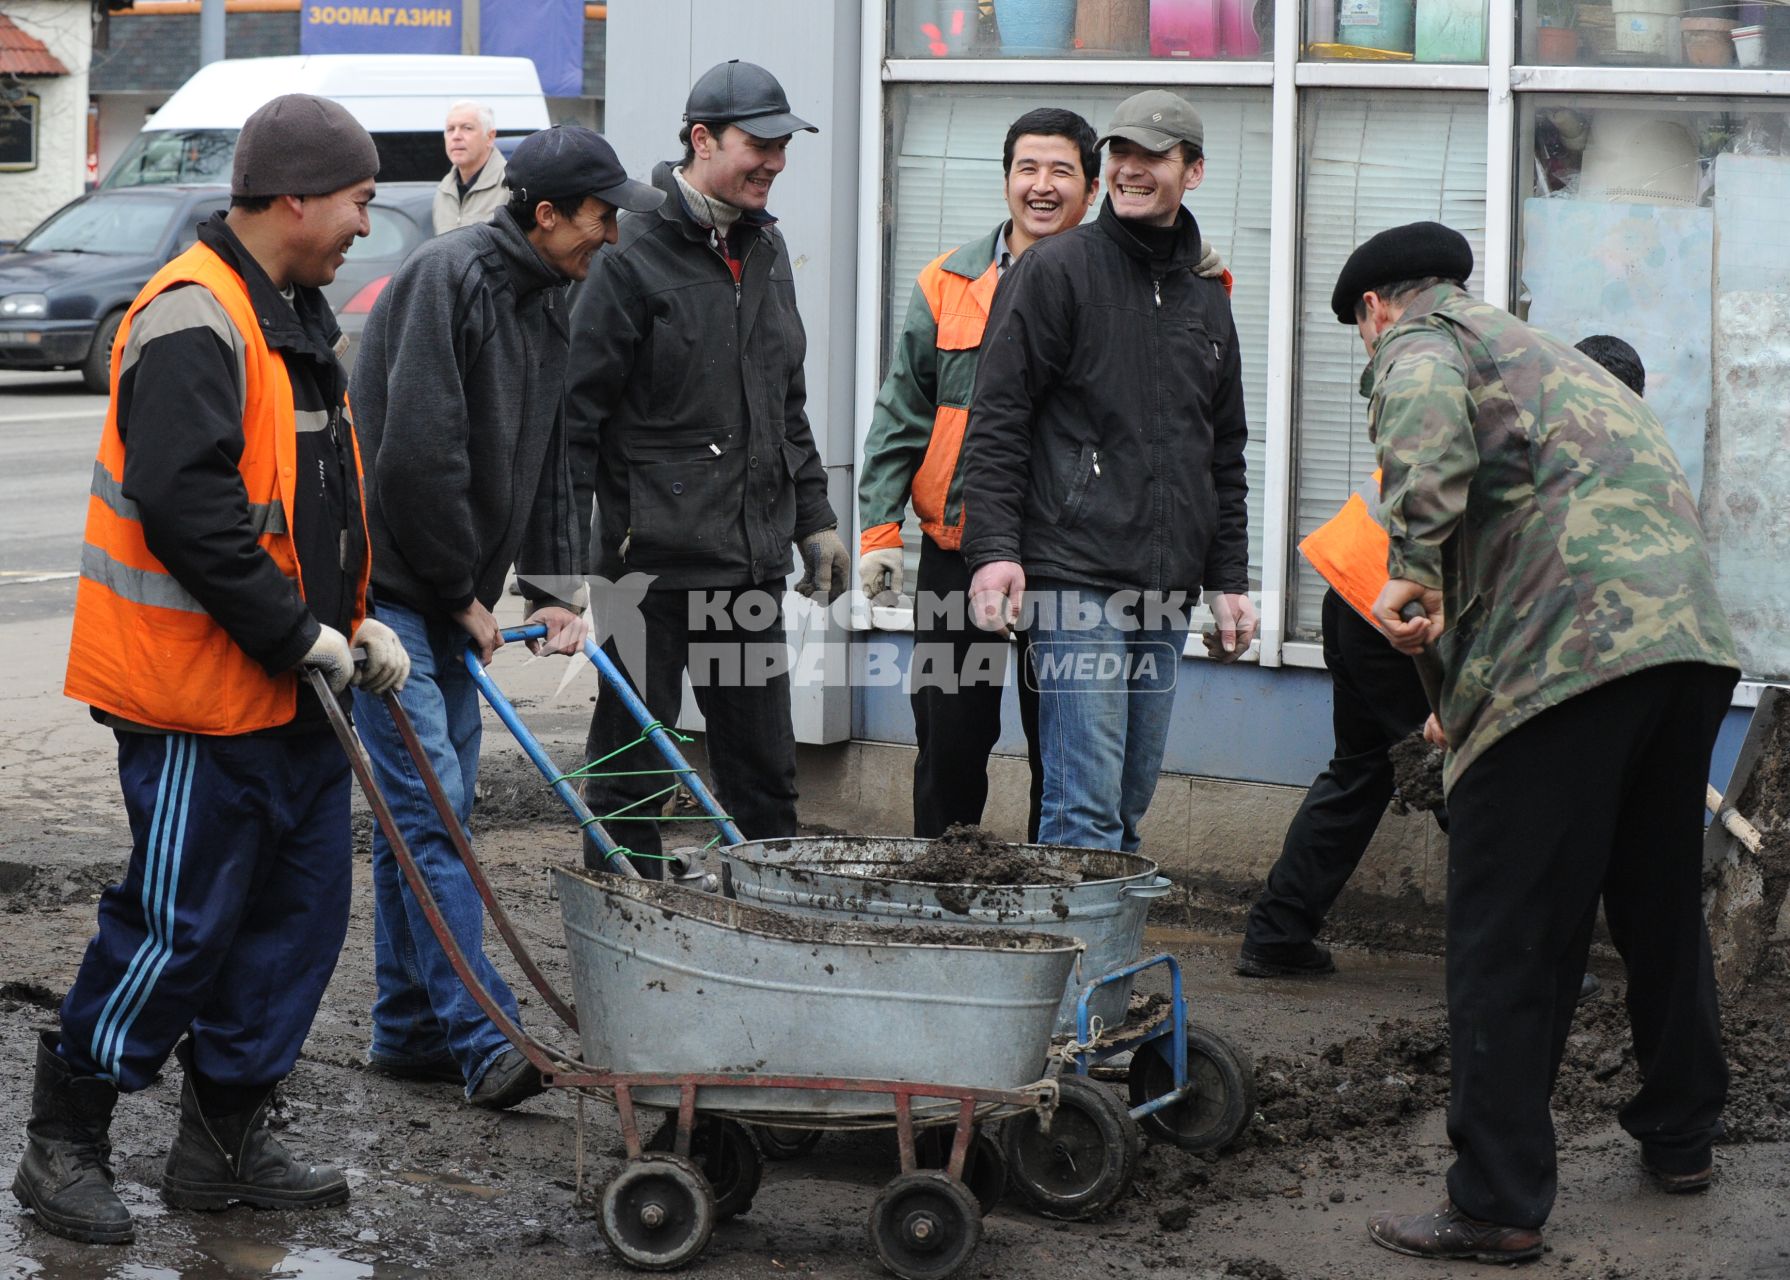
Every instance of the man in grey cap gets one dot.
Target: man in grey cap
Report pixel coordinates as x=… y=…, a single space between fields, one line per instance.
x=1103 y=473
x=686 y=409
x=457 y=394
x=225 y=549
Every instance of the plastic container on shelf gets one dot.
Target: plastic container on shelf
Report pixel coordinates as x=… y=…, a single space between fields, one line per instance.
x=1185 y=28
x=1596 y=26
x=1036 y=28
x=1237 y=35
x=933 y=28
x=1112 y=28
x=1376 y=24
x=1450 y=30
x=1634 y=158
x=1749 y=45
x=1650 y=28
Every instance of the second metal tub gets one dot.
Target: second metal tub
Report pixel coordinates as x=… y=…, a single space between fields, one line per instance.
x=1102 y=898
x=671 y=980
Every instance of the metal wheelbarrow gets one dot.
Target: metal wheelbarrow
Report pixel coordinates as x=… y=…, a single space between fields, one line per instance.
x=636 y=948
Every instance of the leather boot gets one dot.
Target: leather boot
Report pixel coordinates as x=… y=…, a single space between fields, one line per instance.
x=219 y=1159
x=65 y=1175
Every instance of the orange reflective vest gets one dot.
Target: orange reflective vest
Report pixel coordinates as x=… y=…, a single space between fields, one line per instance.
x=1350 y=550
x=143 y=647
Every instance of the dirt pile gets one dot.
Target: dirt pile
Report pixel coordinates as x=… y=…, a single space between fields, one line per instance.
x=1417 y=773
x=969 y=855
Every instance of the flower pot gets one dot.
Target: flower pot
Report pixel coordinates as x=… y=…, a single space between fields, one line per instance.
x=1649 y=28
x=1707 y=42
x=1556 y=44
x=1113 y=27
x=1036 y=28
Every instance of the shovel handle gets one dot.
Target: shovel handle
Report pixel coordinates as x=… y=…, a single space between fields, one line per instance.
x=1735 y=825
x=1429 y=666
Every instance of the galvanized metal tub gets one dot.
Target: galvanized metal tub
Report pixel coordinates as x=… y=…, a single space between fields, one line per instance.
x=671 y=980
x=1100 y=897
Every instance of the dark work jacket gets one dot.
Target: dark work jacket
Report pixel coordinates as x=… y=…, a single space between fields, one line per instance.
x=1106 y=432
x=686 y=407
x=456 y=396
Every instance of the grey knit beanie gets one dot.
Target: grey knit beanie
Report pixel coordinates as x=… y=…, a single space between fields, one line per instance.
x=300 y=145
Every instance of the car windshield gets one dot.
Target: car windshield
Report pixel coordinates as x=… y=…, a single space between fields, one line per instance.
x=103 y=223
x=174 y=155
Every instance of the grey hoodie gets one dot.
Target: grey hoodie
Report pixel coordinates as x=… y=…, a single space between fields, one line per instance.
x=456 y=396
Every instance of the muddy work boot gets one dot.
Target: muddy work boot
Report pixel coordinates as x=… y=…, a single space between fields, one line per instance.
x=220 y=1159
x=1285 y=960
x=65 y=1175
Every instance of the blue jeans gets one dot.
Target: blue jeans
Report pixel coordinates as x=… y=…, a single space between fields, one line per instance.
x=422 y=1012
x=1106 y=686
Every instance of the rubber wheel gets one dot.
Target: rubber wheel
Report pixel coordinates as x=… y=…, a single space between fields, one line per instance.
x=96 y=369
x=984 y=1164
x=726 y=1154
x=1223 y=1100
x=785 y=1144
x=1084 y=1163
x=658 y=1212
x=925 y=1225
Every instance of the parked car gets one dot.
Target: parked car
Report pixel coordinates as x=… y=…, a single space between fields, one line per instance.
x=65 y=287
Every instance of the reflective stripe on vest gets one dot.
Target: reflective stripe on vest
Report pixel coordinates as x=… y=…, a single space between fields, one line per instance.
x=1350 y=549
x=143 y=647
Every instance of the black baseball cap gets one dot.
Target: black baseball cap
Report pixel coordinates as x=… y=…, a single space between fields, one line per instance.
x=570 y=160
x=743 y=94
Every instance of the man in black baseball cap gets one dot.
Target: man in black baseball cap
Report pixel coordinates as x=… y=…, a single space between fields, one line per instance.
x=457 y=395
x=687 y=413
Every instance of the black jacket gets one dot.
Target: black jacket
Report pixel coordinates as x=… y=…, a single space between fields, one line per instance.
x=686 y=405
x=1106 y=432
x=457 y=400
x=180 y=411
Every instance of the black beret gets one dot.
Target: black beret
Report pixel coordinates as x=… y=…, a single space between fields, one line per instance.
x=1410 y=252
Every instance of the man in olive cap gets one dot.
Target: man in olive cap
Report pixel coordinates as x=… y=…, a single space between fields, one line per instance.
x=1533 y=501
x=687 y=411
x=225 y=550
x=1103 y=473
x=457 y=395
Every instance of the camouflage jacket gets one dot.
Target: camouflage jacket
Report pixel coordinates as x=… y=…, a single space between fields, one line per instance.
x=1542 y=497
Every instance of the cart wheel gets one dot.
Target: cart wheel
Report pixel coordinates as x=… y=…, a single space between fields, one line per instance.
x=785 y=1144
x=1085 y=1162
x=657 y=1213
x=1223 y=1099
x=925 y=1226
x=726 y=1154
x=984 y=1164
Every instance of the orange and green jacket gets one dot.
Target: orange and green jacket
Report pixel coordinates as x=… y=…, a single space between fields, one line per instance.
x=916 y=432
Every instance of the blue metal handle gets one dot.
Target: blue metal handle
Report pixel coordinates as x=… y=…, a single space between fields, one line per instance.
x=618 y=683
x=1175 y=1029
x=609 y=854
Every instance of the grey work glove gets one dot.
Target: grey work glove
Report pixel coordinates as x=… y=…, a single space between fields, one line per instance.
x=329 y=654
x=872 y=565
x=824 y=565
x=388 y=663
x=1210 y=264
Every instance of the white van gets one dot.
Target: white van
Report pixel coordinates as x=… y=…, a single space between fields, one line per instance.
x=402 y=99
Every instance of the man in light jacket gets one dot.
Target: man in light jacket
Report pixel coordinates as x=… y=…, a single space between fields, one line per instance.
x=457 y=394
x=474 y=189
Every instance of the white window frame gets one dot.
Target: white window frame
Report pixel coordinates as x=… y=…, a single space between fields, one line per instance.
x=1501 y=78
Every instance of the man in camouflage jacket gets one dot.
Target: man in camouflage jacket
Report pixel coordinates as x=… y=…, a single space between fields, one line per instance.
x=1533 y=502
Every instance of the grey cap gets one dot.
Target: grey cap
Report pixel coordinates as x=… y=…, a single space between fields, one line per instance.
x=743 y=94
x=570 y=160
x=1156 y=120
x=301 y=145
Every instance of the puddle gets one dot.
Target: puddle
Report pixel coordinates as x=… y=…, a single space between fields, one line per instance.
x=30 y=1254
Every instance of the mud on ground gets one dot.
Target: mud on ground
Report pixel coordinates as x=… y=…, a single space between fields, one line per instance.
x=1351 y=1076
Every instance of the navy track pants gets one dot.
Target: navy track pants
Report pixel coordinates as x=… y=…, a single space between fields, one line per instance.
x=231 y=914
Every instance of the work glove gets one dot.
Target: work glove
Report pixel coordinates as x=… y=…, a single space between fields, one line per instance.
x=824 y=561
x=1210 y=265
x=329 y=654
x=388 y=663
x=872 y=565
